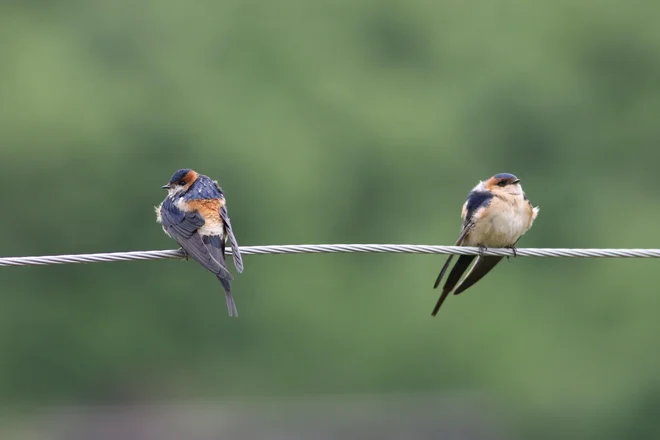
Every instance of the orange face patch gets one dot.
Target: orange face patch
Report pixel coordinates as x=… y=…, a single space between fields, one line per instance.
x=190 y=178
x=491 y=183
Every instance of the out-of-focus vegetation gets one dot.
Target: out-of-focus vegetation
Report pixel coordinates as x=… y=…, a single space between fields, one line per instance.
x=333 y=121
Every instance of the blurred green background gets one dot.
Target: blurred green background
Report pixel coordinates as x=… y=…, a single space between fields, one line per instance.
x=333 y=122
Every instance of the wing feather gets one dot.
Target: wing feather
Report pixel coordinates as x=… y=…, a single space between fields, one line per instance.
x=182 y=227
x=229 y=232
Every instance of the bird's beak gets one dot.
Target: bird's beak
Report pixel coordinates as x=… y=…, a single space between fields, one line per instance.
x=166 y=186
x=516 y=181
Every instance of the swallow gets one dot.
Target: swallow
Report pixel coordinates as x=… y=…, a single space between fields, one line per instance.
x=496 y=214
x=194 y=214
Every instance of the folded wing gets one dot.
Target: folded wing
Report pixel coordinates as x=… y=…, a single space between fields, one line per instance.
x=182 y=227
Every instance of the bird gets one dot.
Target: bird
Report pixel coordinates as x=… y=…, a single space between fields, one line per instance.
x=496 y=214
x=194 y=214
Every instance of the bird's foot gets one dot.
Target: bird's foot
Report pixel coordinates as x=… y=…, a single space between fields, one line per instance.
x=185 y=254
x=482 y=249
x=513 y=248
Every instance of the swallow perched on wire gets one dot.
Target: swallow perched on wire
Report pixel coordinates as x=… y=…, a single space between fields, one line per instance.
x=194 y=214
x=496 y=214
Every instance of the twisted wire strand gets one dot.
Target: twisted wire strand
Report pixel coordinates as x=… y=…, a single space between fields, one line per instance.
x=334 y=248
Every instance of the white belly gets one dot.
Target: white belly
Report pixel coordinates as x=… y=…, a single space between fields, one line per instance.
x=503 y=226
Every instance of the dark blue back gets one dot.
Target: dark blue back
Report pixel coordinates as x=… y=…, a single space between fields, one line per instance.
x=203 y=188
x=476 y=200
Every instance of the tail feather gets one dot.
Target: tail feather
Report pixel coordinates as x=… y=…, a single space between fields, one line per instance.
x=231 y=305
x=459 y=242
x=442 y=271
x=445 y=292
x=454 y=276
x=481 y=267
x=457 y=271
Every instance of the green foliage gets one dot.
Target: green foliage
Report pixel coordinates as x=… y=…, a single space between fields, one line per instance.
x=328 y=122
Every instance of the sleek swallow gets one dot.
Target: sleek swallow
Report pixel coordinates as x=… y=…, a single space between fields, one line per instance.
x=496 y=214
x=194 y=214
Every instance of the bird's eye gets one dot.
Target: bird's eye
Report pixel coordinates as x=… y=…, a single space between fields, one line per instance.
x=501 y=183
x=182 y=183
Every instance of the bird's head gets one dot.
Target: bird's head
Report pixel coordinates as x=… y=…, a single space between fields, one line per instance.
x=181 y=181
x=506 y=183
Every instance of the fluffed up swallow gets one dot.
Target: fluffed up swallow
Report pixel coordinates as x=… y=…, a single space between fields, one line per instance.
x=194 y=214
x=496 y=214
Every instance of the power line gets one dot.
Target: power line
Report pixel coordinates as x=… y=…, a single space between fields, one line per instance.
x=334 y=248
